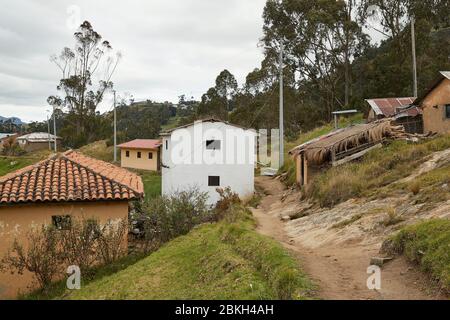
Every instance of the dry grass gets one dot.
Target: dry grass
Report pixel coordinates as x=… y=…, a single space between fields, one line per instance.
x=376 y=174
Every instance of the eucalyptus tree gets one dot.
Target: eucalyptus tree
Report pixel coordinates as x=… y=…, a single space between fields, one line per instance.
x=86 y=71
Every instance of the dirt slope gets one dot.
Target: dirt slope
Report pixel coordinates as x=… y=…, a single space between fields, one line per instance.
x=337 y=258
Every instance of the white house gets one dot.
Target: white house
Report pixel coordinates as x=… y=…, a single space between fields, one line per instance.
x=208 y=154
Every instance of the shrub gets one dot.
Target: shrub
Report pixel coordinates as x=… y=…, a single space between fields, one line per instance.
x=166 y=217
x=41 y=257
x=392 y=217
x=12 y=148
x=111 y=240
x=414 y=187
x=79 y=242
x=83 y=243
x=227 y=199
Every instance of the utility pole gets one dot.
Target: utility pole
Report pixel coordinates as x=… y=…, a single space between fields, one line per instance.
x=48 y=128
x=281 y=109
x=54 y=128
x=115 y=128
x=413 y=42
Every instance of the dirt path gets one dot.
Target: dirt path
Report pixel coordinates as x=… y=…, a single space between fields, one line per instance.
x=339 y=271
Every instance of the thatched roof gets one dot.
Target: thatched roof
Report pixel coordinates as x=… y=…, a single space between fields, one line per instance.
x=319 y=150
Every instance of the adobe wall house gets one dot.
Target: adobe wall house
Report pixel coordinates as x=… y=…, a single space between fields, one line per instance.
x=435 y=103
x=65 y=184
x=38 y=141
x=140 y=154
x=208 y=154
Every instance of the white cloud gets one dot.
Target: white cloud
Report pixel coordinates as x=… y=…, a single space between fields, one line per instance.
x=169 y=47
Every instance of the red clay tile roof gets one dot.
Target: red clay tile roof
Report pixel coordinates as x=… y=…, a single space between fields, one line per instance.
x=388 y=106
x=70 y=176
x=141 y=144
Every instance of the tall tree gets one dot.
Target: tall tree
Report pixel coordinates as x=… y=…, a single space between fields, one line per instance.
x=226 y=87
x=86 y=71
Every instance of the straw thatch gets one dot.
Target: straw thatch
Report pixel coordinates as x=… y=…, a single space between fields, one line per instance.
x=320 y=150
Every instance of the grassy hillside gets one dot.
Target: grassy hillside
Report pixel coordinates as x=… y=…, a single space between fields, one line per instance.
x=378 y=173
x=100 y=150
x=10 y=164
x=428 y=244
x=225 y=260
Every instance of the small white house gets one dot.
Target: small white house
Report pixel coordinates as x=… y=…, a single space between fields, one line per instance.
x=208 y=154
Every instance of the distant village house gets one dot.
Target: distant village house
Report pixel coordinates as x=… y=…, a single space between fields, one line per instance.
x=435 y=104
x=140 y=154
x=55 y=191
x=38 y=141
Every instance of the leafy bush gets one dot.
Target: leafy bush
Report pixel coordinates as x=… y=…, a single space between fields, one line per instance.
x=166 y=217
x=12 y=148
x=228 y=198
x=84 y=242
x=41 y=257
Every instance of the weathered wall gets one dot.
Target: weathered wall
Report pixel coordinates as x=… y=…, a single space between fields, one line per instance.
x=17 y=220
x=143 y=163
x=434 y=118
x=35 y=146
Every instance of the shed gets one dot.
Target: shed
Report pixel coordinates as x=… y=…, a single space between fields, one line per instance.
x=339 y=146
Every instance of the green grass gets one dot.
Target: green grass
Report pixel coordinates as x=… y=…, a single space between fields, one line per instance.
x=428 y=244
x=10 y=164
x=152 y=184
x=171 y=123
x=100 y=150
x=214 y=261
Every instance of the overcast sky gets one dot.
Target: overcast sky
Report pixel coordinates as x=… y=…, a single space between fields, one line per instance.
x=169 y=47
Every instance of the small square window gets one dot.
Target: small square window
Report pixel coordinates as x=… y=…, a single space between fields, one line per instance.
x=447 y=111
x=213 y=181
x=127 y=154
x=150 y=155
x=139 y=154
x=62 y=222
x=213 y=144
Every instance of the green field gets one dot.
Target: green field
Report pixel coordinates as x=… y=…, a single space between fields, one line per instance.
x=152 y=184
x=10 y=164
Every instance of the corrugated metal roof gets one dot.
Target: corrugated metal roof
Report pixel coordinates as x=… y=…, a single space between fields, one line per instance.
x=388 y=106
x=141 y=144
x=38 y=137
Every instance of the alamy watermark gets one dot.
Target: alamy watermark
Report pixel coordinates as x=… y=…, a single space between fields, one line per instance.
x=203 y=144
x=74 y=279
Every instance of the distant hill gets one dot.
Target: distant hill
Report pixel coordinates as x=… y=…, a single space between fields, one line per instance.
x=14 y=120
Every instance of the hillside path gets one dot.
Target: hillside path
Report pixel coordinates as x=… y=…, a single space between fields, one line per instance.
x=339 y=271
